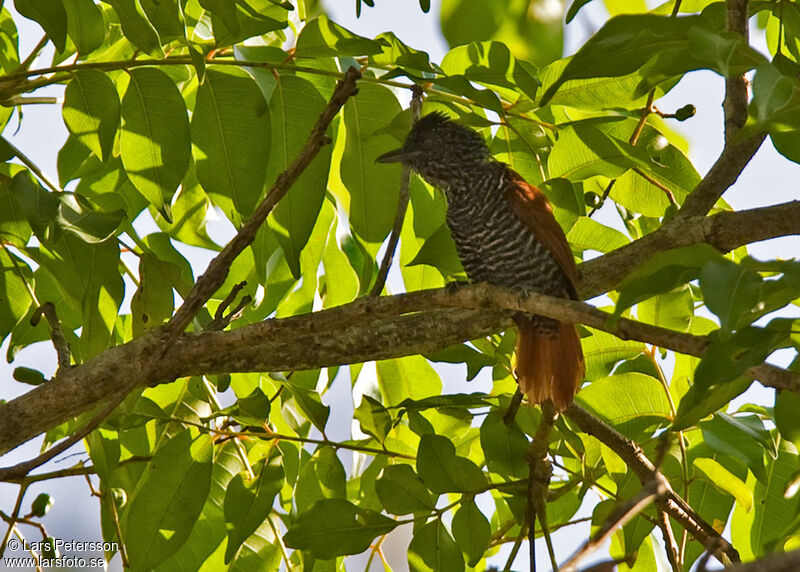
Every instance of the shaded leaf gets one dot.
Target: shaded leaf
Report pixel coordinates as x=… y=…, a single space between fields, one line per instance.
x=334 y=527
x=443 y=471
x=401 y=491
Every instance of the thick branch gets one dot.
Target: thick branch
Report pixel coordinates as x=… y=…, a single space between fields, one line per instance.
x=720 y=177
x=368 y=329
x=724 y=231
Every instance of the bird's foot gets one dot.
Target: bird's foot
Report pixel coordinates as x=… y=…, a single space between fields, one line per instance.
x=453 y=287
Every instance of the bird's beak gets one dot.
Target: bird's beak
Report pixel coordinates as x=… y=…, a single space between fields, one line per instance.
x=396 y=156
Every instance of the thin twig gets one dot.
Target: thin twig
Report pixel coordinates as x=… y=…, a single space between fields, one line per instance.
x=540 y=473
x=402 y=204
x=22 y=469
x=735 y=104
x=14 y=517
x=673 y=552
x=60 y=343
x=637 y=131
x=616 y=520
x=25 y=160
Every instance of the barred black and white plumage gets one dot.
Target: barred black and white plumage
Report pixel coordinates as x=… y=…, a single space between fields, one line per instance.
x=505 y=235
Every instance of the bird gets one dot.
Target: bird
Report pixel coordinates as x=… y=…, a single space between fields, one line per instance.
x=506 y=235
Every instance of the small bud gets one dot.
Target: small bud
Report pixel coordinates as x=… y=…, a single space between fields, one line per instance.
x=685 y=112
x=591 y=199
x=41 y=504
x=29 y=376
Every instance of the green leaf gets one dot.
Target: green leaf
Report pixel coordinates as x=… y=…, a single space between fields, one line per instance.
x=471 y=531
x=603 y=351
x=632 y=402
x=729 y=357
x=588 y=234
x=78 y=216
x=574 y=8
x=335 y=527
x=50 y=15
x=340 y=280
x=776 y=101
x=229 y=127
x=168 y=499
x=372 y=206
x=661 y=47
x=14 y=226
x=322 y=477
x=583 y=150
x=462 y=353
x=432 y=548
x=504 y=447
x=671 y=310
x=411 y=377
x=136 y=27
x=439 y=251
x=728 y=437
x=85 y=25
x=373 y=418
x=730 y=291
x=322 y=37
x=401 y=491
x=247 y=504
x=87 y=276
x=443 y=471
x=698 y=403
x=663 y=272
x=764 y=529
x=723 y=479
x=787 y=405
x=310 y=403
x=465 y=21
x=294 y=107
x=490 y=63
x=396 y=53
x=155 y=143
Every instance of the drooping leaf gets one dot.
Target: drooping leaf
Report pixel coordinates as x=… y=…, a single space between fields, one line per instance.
x=661 y=47
x=294 y=108
x=373 y=418
x=230 y=128
x=471 y=531
x=85 y=26
x=664 y=272
x=247 y=504
x=168 y=500
x=323 y=37
x=155 y=143
x=322 y=477
x=723 y=479
x=432 y=548
x=730 y=291
x=50 y=15
x=334 y=527
x=372 y=206
x=504 y=447
x=443 y=471
x=401 y=491
x=136 y=27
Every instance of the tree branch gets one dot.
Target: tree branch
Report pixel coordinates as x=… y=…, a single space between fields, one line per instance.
x=365 y=330
x=637 y=461
x=724 y=231
x=735 y=104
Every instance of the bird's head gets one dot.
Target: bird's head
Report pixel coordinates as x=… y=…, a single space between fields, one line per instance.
x=440 y=150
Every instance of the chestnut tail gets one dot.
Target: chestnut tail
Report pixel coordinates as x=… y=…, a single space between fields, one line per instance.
x=549 y=364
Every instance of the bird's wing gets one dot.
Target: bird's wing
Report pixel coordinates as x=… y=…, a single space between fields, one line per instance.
x=532 y=207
